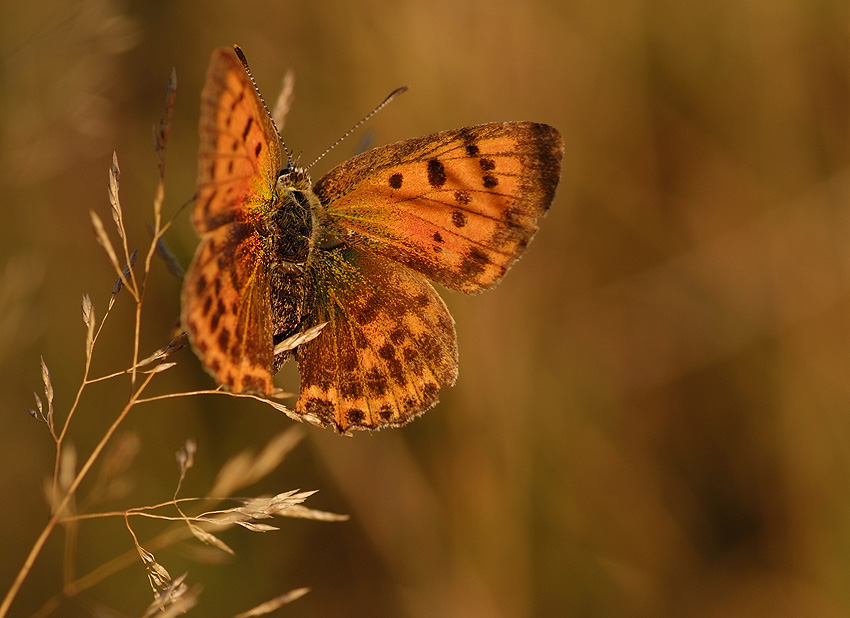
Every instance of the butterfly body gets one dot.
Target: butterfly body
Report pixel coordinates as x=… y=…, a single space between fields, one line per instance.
x=280 y=255
x=292 y=223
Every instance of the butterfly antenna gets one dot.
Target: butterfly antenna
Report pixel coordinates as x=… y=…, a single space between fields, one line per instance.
x=286 y=152
x=244 y=62
x=365 y=119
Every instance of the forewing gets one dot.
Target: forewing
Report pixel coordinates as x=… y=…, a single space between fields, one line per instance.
x=227 y=308
x=239 y=156
x=388 y=347
x=458 y=206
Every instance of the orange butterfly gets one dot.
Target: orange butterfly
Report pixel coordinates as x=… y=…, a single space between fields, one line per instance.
x=280 y=256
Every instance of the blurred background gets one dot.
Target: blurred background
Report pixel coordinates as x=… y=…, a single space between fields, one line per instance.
x=652 y=416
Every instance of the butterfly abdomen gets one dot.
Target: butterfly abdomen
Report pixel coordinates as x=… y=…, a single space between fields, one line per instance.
x=292 y=302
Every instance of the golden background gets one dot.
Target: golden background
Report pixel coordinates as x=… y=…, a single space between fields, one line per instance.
x=653 y=411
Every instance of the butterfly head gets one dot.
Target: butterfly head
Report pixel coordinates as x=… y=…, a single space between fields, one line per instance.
x=293 y=178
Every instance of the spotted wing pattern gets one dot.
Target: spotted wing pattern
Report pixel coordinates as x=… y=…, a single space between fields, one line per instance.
x=388 y=347
x=239 y=155
x=227 y=308
x=459 y=206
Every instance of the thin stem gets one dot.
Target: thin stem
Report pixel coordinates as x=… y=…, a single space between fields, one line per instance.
x=159 y=231
x=55 y=518
x=60 y=439
x=109 y=376
x=217 y=391
x=185 y=394
x=143 y=510
x=86 y=371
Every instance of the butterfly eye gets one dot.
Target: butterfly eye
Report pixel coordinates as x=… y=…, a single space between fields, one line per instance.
x=292 y=173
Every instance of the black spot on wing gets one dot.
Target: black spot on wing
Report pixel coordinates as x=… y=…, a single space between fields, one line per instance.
x=436 y=173
x=458 y=218
x=252 y=383
x=237 y=100
x=463 y=197
x=223 y=339
x=474 y=262
x=394 y=367
x=322 y=409
x=201 y=285
x=247 y=127
x=355 y=416
x=201 y=344
x=217 y=315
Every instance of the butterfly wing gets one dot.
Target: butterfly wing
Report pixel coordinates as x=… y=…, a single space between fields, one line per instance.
x=239 y=156
x=388 y=346
x=226 y=306
x=458 y=206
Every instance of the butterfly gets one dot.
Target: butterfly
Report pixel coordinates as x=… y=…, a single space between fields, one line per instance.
x=350 y=256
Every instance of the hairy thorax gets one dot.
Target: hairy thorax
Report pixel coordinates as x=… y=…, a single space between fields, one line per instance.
x=290 y=221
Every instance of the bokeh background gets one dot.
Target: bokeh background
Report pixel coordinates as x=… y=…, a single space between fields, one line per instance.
x=653 y=410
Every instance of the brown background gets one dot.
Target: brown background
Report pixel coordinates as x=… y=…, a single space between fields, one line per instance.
x=653 y=410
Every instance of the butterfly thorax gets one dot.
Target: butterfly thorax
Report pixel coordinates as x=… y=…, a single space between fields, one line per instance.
x=290 y=222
